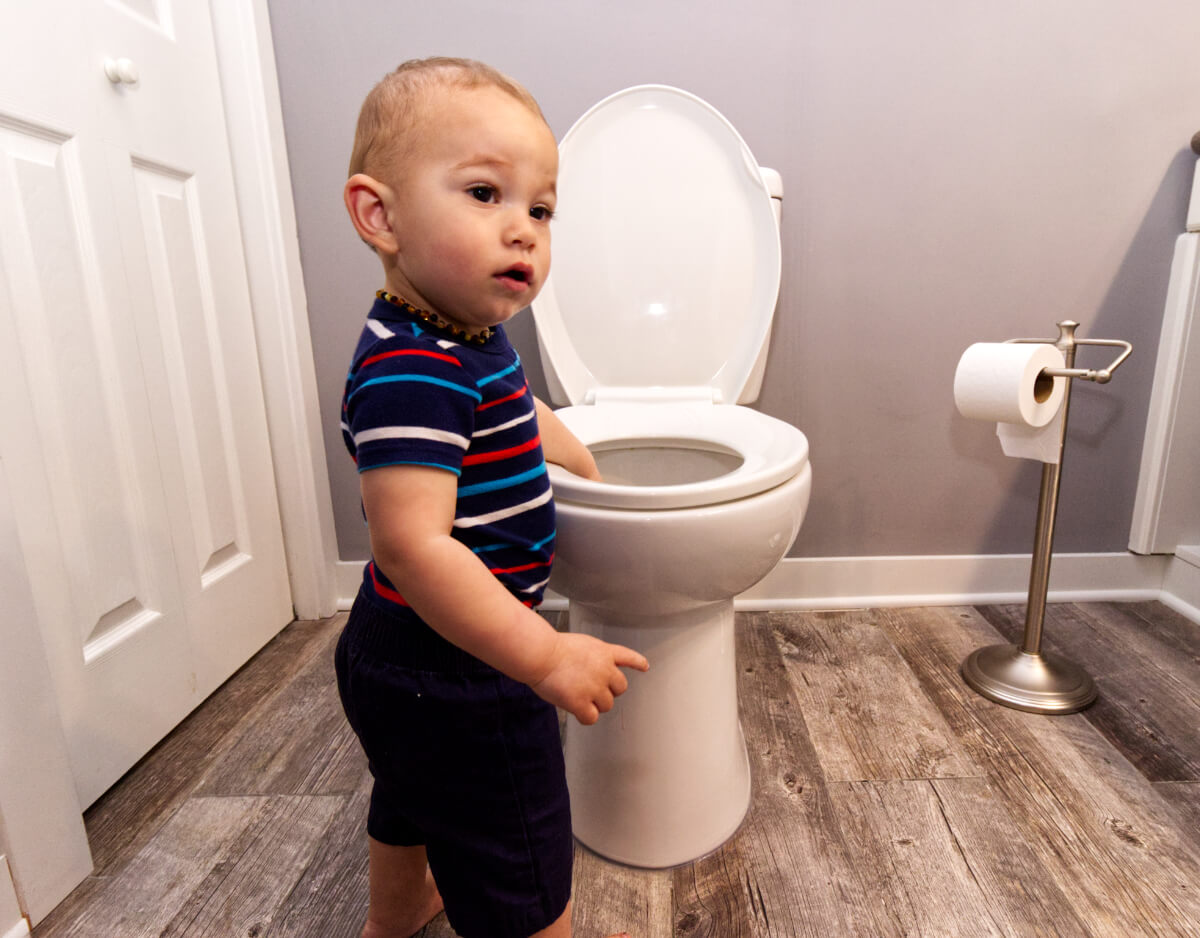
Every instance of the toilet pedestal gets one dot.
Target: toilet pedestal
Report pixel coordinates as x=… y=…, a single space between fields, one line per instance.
x=663 y=778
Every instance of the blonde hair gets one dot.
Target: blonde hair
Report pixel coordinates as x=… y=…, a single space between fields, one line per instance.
x=392 y=109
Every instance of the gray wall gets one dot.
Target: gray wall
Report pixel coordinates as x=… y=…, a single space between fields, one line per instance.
x=954 y=172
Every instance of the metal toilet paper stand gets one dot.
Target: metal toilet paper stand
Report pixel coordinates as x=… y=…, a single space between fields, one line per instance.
x=1024 y=677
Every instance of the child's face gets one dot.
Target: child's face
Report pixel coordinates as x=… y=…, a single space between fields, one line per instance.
x=471 y=208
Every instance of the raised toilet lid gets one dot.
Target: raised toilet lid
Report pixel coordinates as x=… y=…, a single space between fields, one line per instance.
x=666 y=257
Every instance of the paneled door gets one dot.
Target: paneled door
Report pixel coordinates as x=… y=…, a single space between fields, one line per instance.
x=131 y=408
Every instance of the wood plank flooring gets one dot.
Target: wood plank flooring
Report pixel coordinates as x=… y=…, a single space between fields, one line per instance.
x=889 y=799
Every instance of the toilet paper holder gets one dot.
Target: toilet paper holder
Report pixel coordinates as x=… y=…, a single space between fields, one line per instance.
x=1099 y=375
x=1024 y=677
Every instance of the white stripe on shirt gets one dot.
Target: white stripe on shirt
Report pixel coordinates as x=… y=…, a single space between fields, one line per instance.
x=508 y=512
x=504 y=426
x=411 y=433
x=379 y=329
x=536 y=586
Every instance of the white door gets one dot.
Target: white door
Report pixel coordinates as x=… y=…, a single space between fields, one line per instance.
x=131 y=408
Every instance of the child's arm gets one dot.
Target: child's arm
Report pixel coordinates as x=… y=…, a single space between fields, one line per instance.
x=410 y=514
x=561 y=446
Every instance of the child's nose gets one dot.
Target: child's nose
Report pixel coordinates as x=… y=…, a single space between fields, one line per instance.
x=520 y=229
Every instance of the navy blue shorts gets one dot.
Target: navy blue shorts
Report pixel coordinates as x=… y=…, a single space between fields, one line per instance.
x=466 y=762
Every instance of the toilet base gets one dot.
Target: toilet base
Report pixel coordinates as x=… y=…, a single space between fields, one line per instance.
x=664 y=777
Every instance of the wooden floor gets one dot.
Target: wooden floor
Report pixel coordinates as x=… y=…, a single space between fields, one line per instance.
x=889 y=799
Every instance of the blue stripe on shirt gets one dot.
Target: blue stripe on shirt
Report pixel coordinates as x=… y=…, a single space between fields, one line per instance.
x=410 y=462
x=505 y=544
x=498 y=375
x=507 y=482
x=425 y=379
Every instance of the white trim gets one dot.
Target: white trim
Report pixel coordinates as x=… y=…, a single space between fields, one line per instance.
x=1189 y=553
x=963 y=579
x=1193 y=215
x=1155 y=529
x=1181 y=585
x=952 y=580
x=861 y=582
x=246 y=60
x=41 y=820
x=19 y=930
x=10 y=910
x=349 y=577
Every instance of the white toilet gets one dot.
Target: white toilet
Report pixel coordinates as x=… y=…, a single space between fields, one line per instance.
x=653 y=326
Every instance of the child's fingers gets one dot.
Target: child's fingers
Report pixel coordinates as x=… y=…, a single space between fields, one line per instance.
x=628 y=658
x=586 y=714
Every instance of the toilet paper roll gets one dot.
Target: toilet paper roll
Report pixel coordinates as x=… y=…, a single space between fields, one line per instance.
x=1003 y=381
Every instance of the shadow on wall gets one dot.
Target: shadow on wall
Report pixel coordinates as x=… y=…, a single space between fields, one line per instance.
x=522 y=333
x=1132 y=310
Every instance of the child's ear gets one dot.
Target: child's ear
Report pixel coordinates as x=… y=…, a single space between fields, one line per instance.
x=368 y=201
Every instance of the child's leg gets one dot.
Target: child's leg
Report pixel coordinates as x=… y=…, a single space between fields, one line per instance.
x=561 y=928
x=403 y=894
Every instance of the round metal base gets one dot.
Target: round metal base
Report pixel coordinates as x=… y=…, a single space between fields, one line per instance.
x=1042 y=683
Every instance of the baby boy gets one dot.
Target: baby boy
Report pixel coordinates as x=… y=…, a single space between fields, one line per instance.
x=447 y=675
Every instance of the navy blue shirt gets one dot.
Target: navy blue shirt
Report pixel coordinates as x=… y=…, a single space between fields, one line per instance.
x=414 y=396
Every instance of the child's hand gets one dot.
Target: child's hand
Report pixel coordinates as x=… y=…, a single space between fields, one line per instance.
x=585 y=677
x=561 y=446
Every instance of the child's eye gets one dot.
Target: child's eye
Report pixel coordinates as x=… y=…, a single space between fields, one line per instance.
x=482 y=193
x=541 y=213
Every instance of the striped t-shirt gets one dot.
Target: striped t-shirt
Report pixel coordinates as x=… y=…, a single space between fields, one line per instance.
x=415 y=397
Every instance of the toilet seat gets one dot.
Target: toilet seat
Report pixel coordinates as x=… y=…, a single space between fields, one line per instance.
x=770 y=452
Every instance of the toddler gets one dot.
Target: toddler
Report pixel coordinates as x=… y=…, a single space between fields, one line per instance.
x=447 y=675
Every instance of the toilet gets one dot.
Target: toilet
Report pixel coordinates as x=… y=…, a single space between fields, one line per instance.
x=653 y=329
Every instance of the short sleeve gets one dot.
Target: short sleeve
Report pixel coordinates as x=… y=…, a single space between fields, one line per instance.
x=410 y=403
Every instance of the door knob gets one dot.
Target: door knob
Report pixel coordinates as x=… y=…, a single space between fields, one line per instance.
x=121 y=71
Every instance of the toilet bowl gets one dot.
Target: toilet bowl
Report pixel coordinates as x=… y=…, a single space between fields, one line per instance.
x=653 y=329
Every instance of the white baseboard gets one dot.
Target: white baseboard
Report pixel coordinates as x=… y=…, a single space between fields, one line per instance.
x=11 y=920
x=872 y=582
x=349 y=577
x=861 y=582
x=18 y=930
x=1181 y=583
x=1189 y=552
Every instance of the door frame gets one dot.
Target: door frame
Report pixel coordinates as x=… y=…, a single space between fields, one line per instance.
x=1172 y=431
x=254 y=117
x=41 y=825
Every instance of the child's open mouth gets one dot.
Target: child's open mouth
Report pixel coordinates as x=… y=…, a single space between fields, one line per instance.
x=517 y=275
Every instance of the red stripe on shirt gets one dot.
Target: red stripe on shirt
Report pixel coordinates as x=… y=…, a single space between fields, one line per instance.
x=421 y=352
x=385 y=591
x=503 y=400
x=499 y=454
x=521 y=569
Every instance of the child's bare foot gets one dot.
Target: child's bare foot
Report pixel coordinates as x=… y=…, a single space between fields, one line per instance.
x=421 y=915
